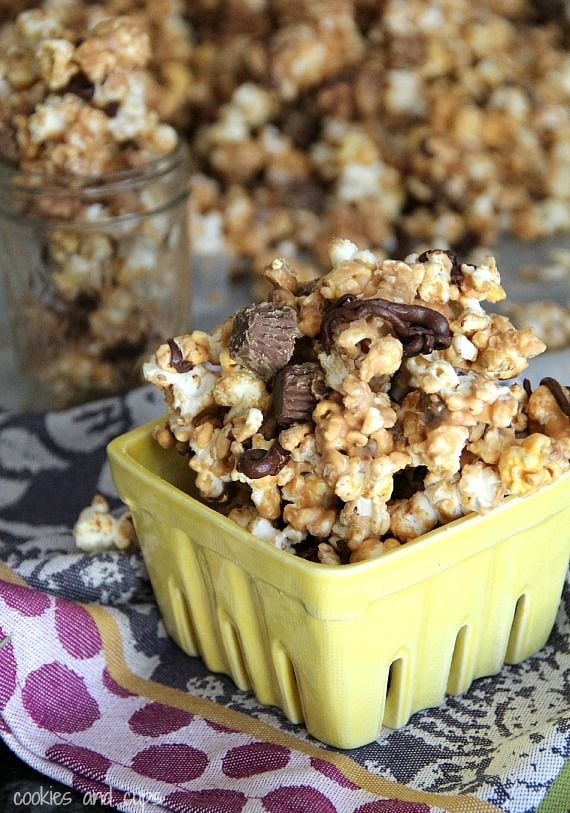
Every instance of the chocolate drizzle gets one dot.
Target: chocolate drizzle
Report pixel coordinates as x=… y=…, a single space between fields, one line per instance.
x=420 y=329
x=558 y=394
x=257 y=463
x=177 y=359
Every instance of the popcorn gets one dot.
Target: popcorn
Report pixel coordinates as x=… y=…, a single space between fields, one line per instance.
x=549 y=410
x=480 y=488
x=373 y=549
x=380 y=421
x=418 y=515
x=550 y=321
x=248 y=518
x=97 y=530
x=192 y=391
x=398 y=134
x=331 y=118
x=55 y=62
x=113 y=45
x=534 y=462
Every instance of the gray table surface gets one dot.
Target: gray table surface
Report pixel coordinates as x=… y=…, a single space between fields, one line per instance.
x=215 y=296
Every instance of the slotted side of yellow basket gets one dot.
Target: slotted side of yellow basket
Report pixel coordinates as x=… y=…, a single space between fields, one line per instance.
x=349 y=649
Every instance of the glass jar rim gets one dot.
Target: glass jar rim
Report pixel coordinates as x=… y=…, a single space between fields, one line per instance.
x=21 y=192
x=87 y=186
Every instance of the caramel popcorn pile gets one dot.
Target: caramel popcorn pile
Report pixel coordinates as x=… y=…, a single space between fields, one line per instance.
x=75 y=112
x=345 y=417
x=427 y=121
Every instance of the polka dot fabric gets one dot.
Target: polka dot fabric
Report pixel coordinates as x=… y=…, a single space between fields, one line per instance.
x=65 y=712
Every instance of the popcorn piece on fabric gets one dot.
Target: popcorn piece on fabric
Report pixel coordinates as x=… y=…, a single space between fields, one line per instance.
x=97 y=529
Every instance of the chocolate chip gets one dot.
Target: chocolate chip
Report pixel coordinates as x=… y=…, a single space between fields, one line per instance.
x=296 y=390
x=558 y=394
x=263 y=338
x=432 y=407
x=81 y=86
x=177 y=359
x=111 y=109
x=211 y=414
x=343 y=551
x=527 y=387
x=257 y=463
x=456 y=274
x=308 y=549
x=420 y=329
x=408 y=482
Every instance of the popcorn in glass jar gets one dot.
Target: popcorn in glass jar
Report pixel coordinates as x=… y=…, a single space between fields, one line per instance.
x=93 y=213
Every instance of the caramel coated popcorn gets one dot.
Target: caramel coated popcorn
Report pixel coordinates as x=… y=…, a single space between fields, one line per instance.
x=550 y=321
x=98 y=530
x=365 y=409
x=421 y=122
x=431 y=121
x=75 y=98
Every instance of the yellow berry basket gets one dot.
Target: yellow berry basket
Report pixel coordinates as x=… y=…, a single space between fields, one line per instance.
x=346 y=649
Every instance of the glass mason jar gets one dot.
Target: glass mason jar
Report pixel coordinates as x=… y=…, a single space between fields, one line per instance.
x=97 y=274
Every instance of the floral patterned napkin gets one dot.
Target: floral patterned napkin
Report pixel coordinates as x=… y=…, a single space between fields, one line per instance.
x=94 y=694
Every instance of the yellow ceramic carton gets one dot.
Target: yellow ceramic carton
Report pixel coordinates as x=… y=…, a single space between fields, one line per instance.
x=346 y=649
